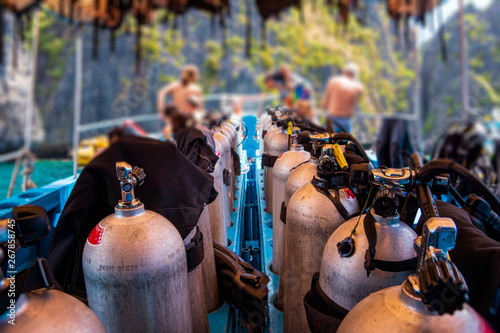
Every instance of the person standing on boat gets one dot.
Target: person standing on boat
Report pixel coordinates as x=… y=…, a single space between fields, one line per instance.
x=341 y=97
x=180 y=91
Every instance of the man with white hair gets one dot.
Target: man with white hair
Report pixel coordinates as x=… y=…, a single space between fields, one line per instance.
x=341 y=96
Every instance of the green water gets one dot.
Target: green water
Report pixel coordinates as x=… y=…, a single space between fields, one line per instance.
x=46 y=172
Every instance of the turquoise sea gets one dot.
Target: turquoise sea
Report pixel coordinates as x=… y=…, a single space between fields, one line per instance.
x=46 y=172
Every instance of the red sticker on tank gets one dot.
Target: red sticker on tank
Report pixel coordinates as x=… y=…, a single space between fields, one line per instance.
x=95 y=237
x=279 y=158
x=217 y=152
x=348 y=194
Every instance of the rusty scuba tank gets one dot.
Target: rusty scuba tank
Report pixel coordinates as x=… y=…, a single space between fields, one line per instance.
x=135 y=269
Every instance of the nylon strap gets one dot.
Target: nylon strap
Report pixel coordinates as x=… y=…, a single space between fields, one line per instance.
x=323 y=314
x=283 y=212
x=269 y=160
x=371 y=235
x=383 y=265
x=194 y=250
x=320 y=186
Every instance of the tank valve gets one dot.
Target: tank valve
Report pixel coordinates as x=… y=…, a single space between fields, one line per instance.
x=441 y=285
x=129 y=178
x=346 y=247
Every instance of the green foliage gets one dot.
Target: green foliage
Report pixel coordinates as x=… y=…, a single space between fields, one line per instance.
x=211 y=65
x=56 y=73
x=492 y=93
x=313 y=46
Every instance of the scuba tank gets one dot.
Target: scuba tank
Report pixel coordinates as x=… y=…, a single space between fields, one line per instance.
x=277 y=144
x=229 y=167
x=264 y=123
x=134 y=265
x=313 y=214
x=281 y=170
x=299 y=176
x=218 y=209
x=269 y=131
x=225 y=156
x=231 y=130
x=209 y=276
x=234 y=150
x=346 y=275
x=432 y=301
x=33 y=300
x=196 y=282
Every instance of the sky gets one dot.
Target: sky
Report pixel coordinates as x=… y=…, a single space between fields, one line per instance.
x=449 y=9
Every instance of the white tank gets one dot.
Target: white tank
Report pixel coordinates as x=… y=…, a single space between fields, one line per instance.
x=277 y=144
x=433 y=300
x=344 y=279
x=396 y=309
x=48 y=310
x=198 y=301
x=225 y=157
x=298 y=177
x=209 y=276
x=272 y=129
x=218 y=209
x=311 y=219
x=135 y=269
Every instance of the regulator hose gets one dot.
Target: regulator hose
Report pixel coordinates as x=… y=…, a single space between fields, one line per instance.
x=350 y=137
x=439 y=166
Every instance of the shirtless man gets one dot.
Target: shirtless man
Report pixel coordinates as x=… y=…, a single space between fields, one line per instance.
x=341 y=96
x=181 y=91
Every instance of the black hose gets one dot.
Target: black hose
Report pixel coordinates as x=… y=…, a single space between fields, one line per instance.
x=349 y=137
x=426 y=202
x=454 y=193
x=439 y=166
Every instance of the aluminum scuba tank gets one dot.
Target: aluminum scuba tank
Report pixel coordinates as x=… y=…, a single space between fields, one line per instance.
x=432 y=301
x=313 y=214
x=134 y=265
x=264 y=122
x=209 y=276
x=229 y=168
x=277 y=144
x=41 y=308
x=49 y=310
x=297 y=178
x=271 y=130
x=281 y=170
x=218 y=209
x=225 y=153
x=343 y=275
x=232 y=131
x=196 y=285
